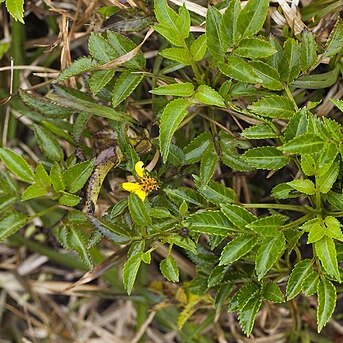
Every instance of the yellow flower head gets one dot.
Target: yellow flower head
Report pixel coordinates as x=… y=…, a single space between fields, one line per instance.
x=145 y=185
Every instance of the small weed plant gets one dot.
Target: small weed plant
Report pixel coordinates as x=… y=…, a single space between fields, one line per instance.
x=201 y=143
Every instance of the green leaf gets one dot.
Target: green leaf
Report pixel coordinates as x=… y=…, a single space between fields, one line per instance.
x=326 y=252
x=267 y=226
x=261 y=131
x=335 y=200
x=45 y=106
x=238 y=215
x=300 y=271
x=335 y=42
x=197 y=147
x=333 y=128
x=171 y=34
x=176 y=89
x=146 y=257
x=35 y=190
x=308 y=53
x=232 y=159
x=169 y=269
x=16 y=9
x=117 y=209
x=270 y=76
x=184 y=193
x=317 y=232
x=245 y=294
x=216 y=276
x=17 y=165
x=274 y=106
x=303 y=186
x=180 y=55
x=252 y=17
x=164 y=14
x=41 y=176
x=11 y=224
x=273 y=293
x=249 y=312
x=326 y=302
x=198 y=48
x=68 y=199
x=99 y=79
x=333 y=228
x=130 y=270
x=310 y=284
x=268 y=253
x=58 y=131
x=111 y=230
x=215 y=39
x=338 y=103
x=78 y=242
x=283 y=191
x=76 y=176
x=138 y=211
x=210 y=222
x=327 y=180
x=209 y=162
x=183 y=21
x=267 y=157
x=229 y=24
x=173 y=27
x=297 y=125
x=317 y=81
x=78 y=67
x=183 y=242
x=100 y=48
x=126 y=83
x=176 y=156
x=207 y=95
x=237 y=248
x=56 y=178
x=48 y=144
x=240 y=70
x=216 y=192
x=254 y=48
x=7 y=200
x=121 y=45
x=7 y=183
x=308 y=164
x=171 y=118
x=290 y=66
x=327 y=157
x=307 y=143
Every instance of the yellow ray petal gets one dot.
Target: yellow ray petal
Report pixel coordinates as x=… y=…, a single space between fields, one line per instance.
x=131 y=186
x=141 y=194
x=139 y=169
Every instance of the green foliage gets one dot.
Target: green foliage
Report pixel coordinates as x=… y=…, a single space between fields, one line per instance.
x=15 y=9
x=210 y=113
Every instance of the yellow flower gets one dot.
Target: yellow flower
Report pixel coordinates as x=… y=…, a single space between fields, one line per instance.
x=145 y=185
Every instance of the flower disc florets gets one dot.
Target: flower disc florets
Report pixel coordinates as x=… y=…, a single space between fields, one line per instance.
x=145 y=185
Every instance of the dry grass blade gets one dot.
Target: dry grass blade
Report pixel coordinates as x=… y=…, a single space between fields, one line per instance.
x=292 y=17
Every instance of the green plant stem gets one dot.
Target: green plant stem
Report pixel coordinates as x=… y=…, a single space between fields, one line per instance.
x=296 y=208
x=298 y=222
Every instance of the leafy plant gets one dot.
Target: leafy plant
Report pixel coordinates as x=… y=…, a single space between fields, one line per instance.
x=227 y=102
